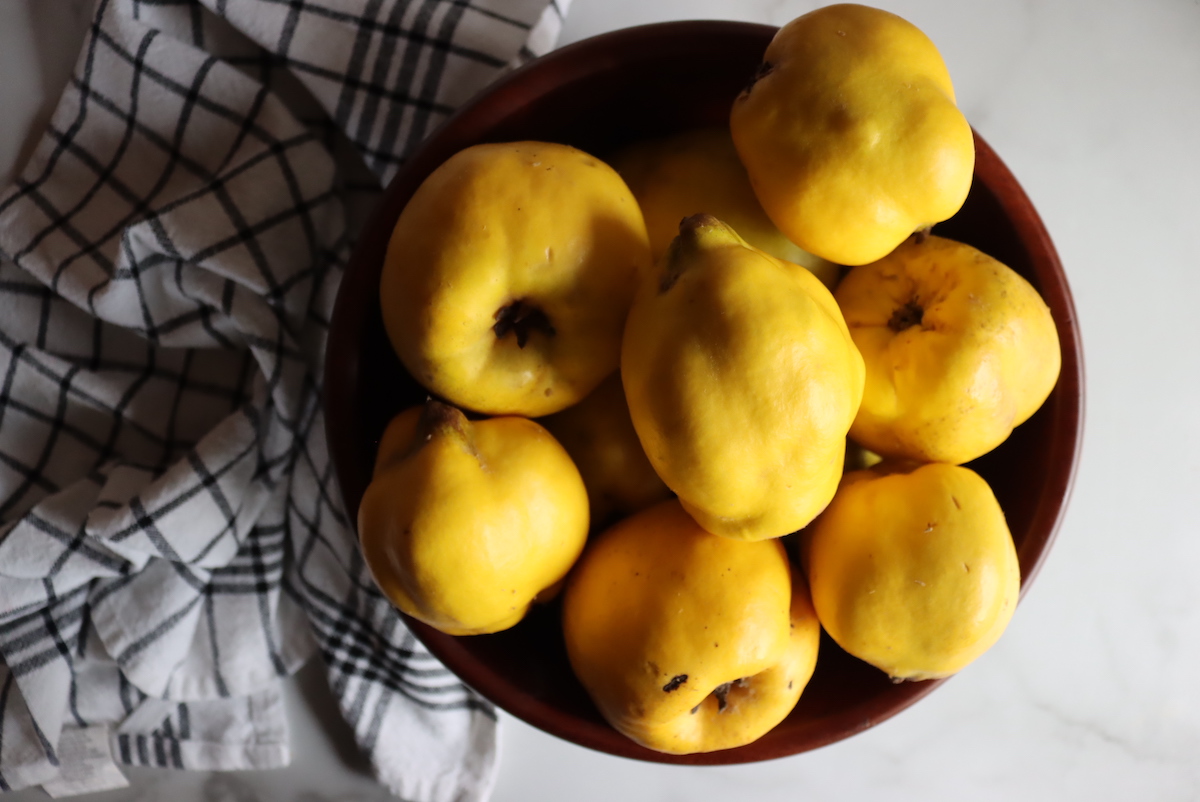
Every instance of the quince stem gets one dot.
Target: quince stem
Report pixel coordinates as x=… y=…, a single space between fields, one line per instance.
x=695 y=233
x=439 y=419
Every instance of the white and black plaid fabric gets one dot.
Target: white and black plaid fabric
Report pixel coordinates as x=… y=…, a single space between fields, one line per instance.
x=171 y=538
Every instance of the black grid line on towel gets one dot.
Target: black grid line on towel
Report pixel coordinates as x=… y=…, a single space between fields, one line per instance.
x=169 y=260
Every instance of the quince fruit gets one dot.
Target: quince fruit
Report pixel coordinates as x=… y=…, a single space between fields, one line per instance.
x=466 y=523
x=851 y=135
x=686 y=641
x=699 y=171
x=509 y=274
x=599 y=436
x=742 y=382
x=959 y=350
x=913 y=569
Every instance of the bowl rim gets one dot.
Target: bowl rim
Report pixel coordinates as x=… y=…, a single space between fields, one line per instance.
x=347 y=325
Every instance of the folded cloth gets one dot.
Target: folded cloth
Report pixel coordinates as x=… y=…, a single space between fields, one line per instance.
x=172 y=541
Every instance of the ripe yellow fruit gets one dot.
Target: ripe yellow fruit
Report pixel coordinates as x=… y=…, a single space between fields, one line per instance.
x=509 y=274
x=742 y=382
x=599 y=436
x=959 y=350
x=465 y=524
x=697 y=172
x=913 y=569
x=851 y=135
x=686 y=641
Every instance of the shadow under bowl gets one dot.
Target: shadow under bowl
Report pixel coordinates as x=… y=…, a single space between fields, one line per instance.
x=599 y=95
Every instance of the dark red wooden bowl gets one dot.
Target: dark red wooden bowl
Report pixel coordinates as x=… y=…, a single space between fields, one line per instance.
x=599 y=95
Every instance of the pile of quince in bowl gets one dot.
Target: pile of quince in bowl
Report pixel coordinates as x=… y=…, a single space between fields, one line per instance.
x=714 y=394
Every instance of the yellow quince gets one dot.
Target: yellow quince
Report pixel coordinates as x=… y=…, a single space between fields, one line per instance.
x=850 y=133
x=742 y=382
x=508 y=276
x=466 y=523
x=959 y=350
x=686 y=641
x=699 y=171
x=913 y=568
x=599 y=436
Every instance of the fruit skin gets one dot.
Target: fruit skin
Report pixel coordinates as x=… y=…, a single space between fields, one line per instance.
x=742 y=382
x=851 y=136
x=698 y=171
x=659 y=614
x=913 y=568
x=599 y=436
x=508 y=276
x=465 y=523
x=959 y=350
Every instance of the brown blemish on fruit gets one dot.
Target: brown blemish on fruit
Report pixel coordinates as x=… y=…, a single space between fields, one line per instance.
x=675 y=682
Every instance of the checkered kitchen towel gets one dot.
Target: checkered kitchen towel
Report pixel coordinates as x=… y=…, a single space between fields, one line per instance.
x=171 y=538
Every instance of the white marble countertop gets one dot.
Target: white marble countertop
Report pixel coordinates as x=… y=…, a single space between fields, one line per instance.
x=1091 y=693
